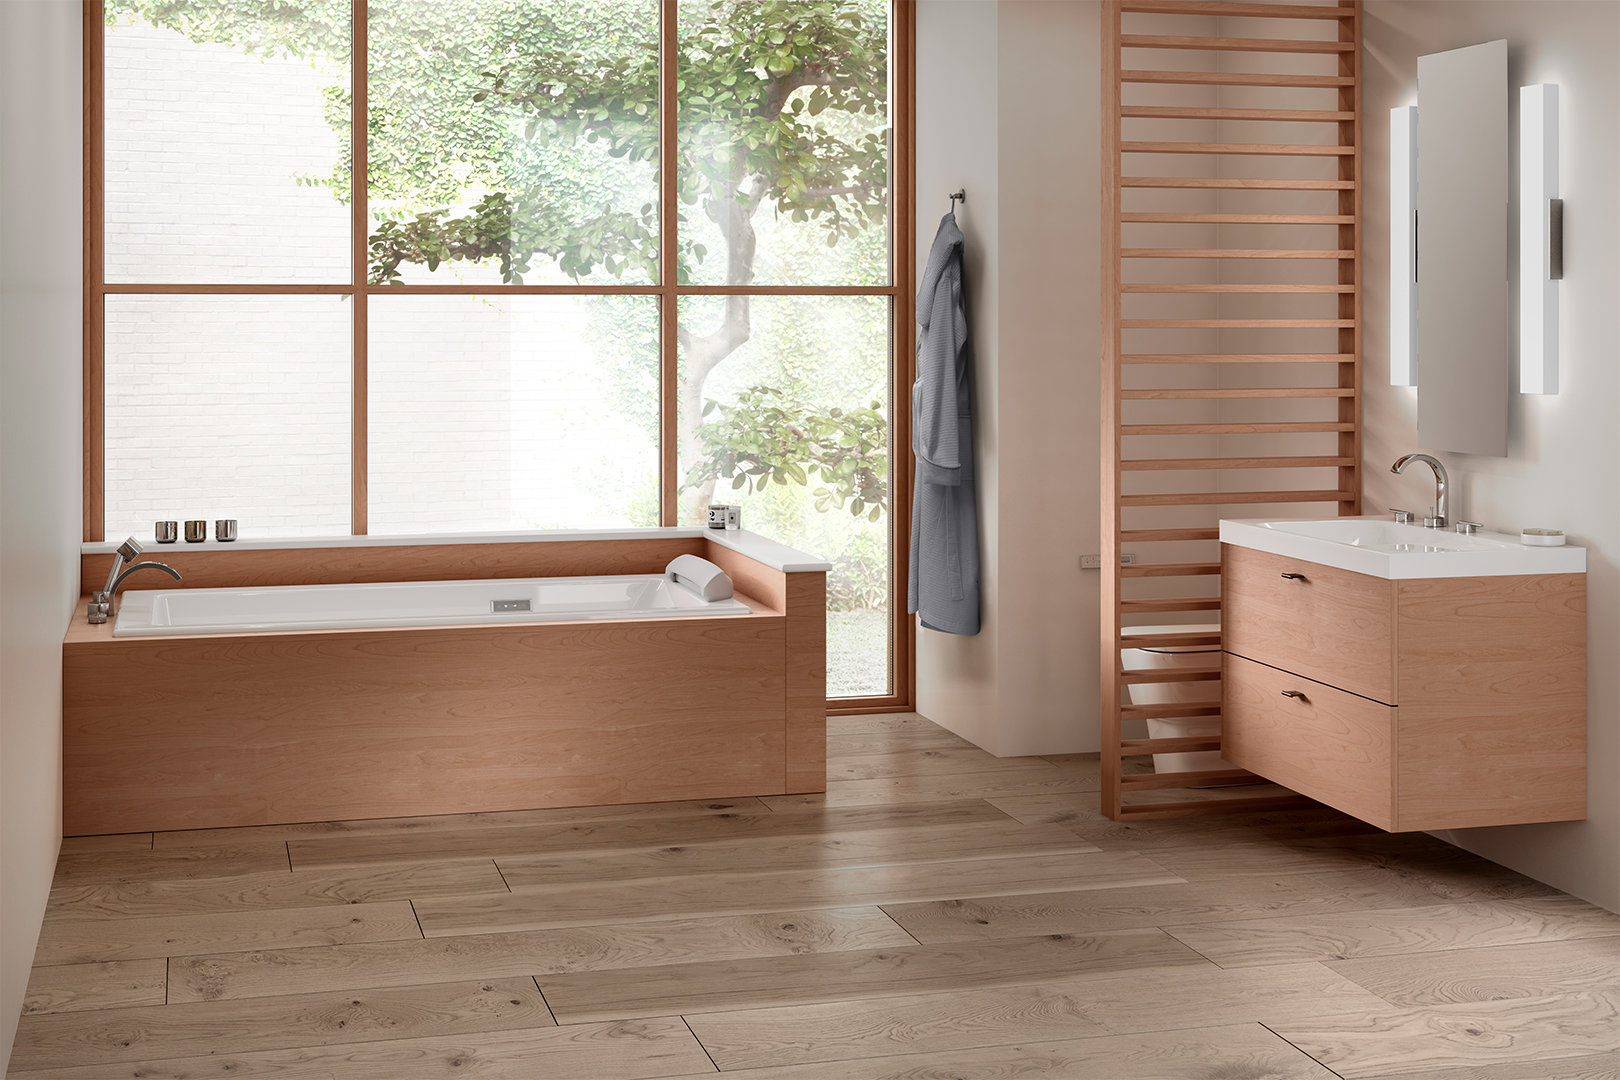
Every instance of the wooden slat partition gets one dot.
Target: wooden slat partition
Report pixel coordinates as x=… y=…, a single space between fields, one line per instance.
x=1268 y=247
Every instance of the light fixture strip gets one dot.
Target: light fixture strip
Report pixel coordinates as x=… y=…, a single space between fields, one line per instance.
x=1538 y=289
x=1403 y=253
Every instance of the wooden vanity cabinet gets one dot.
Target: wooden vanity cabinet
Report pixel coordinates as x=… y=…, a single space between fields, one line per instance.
x=1427 y=703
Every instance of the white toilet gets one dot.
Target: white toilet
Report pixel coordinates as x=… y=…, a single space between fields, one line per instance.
x=1176 y=693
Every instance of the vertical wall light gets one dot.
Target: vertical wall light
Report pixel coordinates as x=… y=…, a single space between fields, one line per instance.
x=1403 y=246
x=1541 y=239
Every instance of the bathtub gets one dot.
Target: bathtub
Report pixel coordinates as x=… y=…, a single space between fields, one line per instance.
x=411 y=603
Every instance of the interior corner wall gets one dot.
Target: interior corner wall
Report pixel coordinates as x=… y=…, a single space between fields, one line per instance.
x=41 y=459
x=1008 y=108
x=1563 y=464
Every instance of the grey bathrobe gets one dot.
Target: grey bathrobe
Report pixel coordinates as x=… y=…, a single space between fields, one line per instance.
x=944 y=584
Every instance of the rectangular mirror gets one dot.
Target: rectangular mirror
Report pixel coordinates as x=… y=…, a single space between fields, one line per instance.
x=1462 y=270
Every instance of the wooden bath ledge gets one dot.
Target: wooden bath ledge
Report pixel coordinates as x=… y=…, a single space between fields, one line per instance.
x=207 y=731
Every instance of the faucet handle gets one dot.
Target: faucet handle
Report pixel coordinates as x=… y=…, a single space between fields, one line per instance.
x=1469 y=528
x=1403 y=517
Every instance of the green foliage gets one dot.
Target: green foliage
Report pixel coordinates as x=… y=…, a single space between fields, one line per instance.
x=766 y=438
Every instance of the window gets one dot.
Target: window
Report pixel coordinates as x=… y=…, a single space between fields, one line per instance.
x=554 y=302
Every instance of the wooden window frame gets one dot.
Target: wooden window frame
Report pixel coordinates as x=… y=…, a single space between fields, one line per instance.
x=902 y=638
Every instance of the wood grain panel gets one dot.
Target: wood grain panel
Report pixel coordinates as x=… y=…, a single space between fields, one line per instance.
x=252 y=730
x=219 y=566
x=80 y=845
x=537 y=907
x=1335 y=626
x=774 y=981
x=1543 y=969
x=191 y=863
x=1492 y=730
x=629 y=1051
x=1482 y=1033
x=83 y=941
x=111 y=985
x=269 y=972
x=130 y=1035
x=298 y=889
x=1115 y=909
x=632 y=835
x=1350 y=935
x=807 y=683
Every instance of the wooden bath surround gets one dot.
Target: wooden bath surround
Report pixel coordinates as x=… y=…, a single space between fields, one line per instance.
x=206 y=731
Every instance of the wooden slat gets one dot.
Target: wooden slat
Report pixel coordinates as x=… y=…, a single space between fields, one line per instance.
x=1144 y=606
x=93 y=361
x=1216 y=498
x=1112 y=311
x=1202 y=807
x=1246 y=149
x=1172 y=675
x=1248 y=219
x=1145 y=712
x=1251 y=11
x=1234 y=429
x=1236 y=183
x=1233 y=78
x=1233 y=253
x=1154 y=464
x=1236 y=324
x=1148 y=536
x=1158 y=641
x=1215 y=393
x=1151 y=781
x=1217 y=44
x=1139 y=747
x=1237 y=358
x=1192 y=112
x=1152 y=570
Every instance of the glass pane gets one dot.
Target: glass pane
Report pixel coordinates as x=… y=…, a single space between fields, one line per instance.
x=228 y=407
x=513 y=412
x=793 y=426
x=513 y=140
x=784 y=142
x=226 y=143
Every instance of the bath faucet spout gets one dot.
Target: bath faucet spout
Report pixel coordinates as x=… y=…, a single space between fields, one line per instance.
x=1438 y=521
x=101 y=602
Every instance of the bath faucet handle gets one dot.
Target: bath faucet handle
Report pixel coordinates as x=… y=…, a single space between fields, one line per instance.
x=1469 y=528
x=1403 y=517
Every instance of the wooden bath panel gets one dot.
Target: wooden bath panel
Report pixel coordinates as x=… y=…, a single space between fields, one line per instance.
x=252 y=729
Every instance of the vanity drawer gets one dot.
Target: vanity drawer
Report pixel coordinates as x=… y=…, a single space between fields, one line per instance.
x=1331 y=625
x=1328 y=744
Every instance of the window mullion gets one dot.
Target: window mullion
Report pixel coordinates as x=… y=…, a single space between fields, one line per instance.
x=668 y=313
x=359 y=194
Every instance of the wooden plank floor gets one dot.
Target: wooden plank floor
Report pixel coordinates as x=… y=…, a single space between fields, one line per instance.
x=939 y=913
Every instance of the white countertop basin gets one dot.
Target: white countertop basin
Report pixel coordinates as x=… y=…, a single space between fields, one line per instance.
x=1379 y=547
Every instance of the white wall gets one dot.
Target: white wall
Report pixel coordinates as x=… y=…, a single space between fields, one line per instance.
x=1563 y=464
x=40 y=458
x=1008 y=109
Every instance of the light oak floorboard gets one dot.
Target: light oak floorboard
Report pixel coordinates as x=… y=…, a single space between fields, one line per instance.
x=1367 y=1044
x=267 y=972
x=81 y=941
x=128 y=1035
x=633 y=835
x=1247 y=1052
x=300 y=888
x=1396 y=932
x=1042 y=779
x=539 y=907
x=632 y=1050
x=883 y=723
x=564 y=815
x=874 y=847
x=235 y=860
x=1543 y=969
x=1212 y=861
x=1115 y=909
x=83 y=845
x=803 y=980
x=1437 y=883
x=112 y=985
x=1595 y=1067
x=891 y=742
x=930 y=762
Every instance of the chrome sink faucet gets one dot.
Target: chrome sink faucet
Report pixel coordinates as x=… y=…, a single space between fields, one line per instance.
x=1438 y=521
x=101 y=602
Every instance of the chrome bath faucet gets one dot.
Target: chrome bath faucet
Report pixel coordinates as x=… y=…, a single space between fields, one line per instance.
x=1438 y=521
x=101 y=602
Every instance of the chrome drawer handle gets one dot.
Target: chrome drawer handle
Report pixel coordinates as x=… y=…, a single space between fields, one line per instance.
x=1294 y=694
x=1296 y=577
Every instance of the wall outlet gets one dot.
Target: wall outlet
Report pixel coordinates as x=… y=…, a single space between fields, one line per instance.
x=1094 y=562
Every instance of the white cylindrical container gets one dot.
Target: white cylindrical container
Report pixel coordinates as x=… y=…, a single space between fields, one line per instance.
x=1177 y=693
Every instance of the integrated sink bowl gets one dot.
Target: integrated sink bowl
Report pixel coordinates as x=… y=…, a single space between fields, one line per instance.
x=1381 y=548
